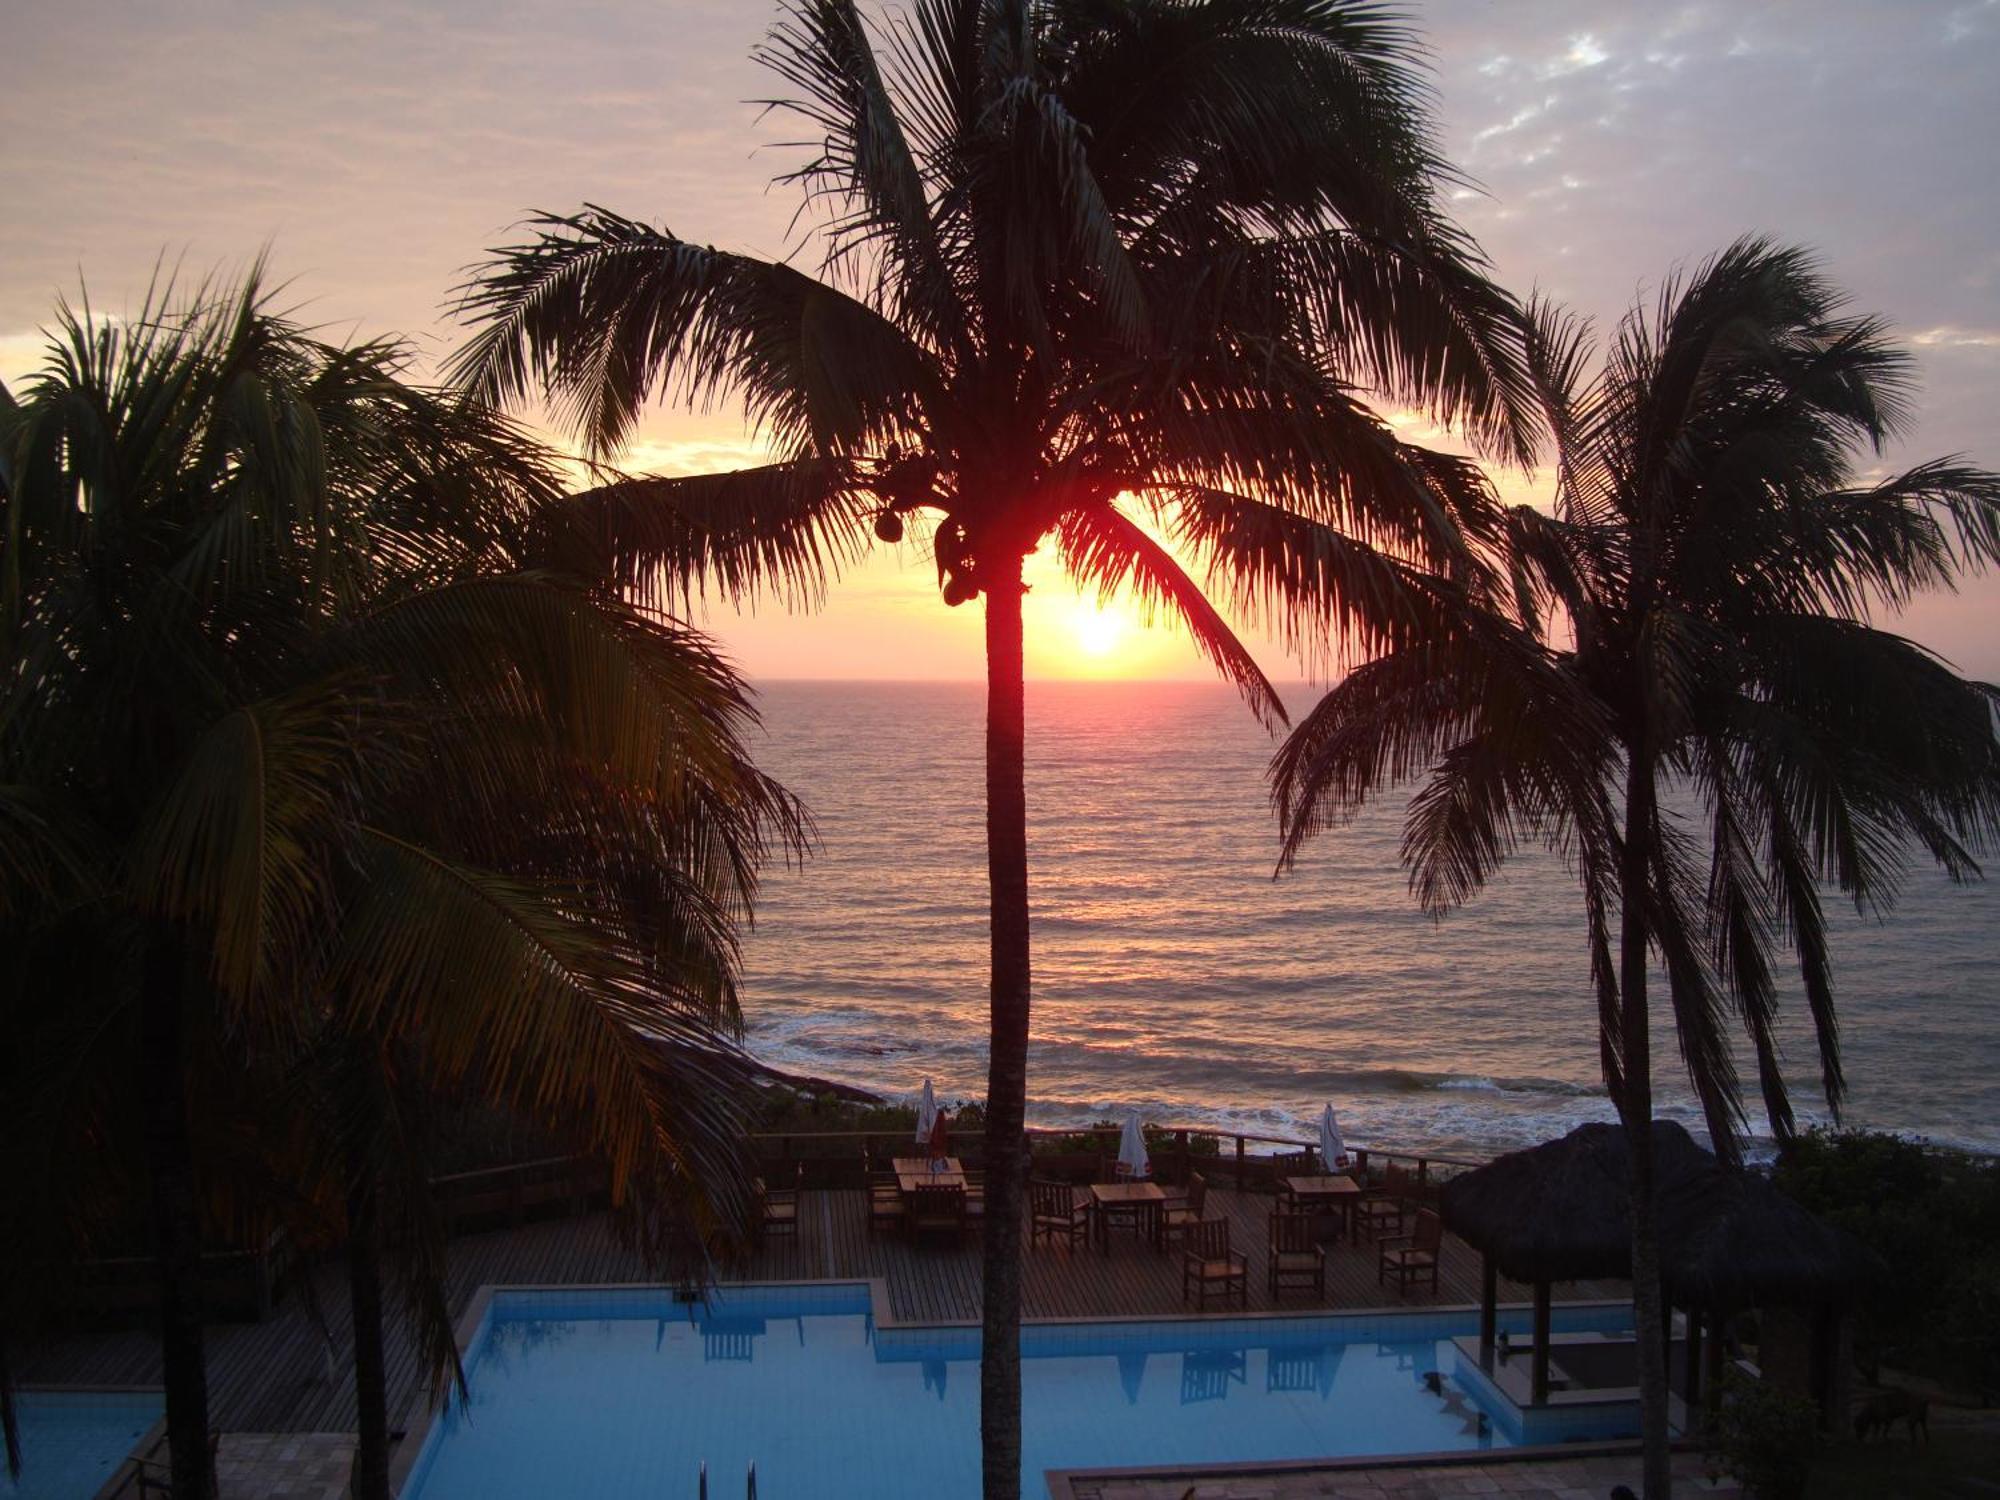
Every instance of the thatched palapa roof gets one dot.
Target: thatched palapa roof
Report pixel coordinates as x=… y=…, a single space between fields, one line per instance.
x=1751 y=1246
x=1559 y=1212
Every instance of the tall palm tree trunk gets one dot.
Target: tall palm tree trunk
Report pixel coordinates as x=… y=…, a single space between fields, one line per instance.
x=1636 y=1110
x=370 y=1478
x=176 y=1220
x=1007 y=1064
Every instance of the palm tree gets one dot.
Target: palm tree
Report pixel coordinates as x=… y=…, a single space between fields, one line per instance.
x=1074 y=252
x=570 y=895
x=1724 y=733
x=294 y=736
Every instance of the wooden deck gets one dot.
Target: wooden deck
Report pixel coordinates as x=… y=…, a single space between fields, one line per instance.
x=283 y=1375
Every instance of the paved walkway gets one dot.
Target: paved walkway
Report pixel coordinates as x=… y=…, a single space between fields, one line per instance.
x=273 y=1465
x=1555 y=1479
x=291 y=1465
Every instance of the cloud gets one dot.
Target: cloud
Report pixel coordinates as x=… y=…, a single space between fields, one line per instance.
x=20 y=356
x=382 y=145
x=1958 y=338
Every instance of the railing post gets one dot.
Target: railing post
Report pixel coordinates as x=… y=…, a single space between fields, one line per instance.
x=1239 y=1164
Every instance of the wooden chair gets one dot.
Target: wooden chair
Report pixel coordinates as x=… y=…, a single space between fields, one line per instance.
x=778 y=1208
x=1296 y=1260
x=1208 y=1261
x=1054 y=1212
x=937 y=1208
x=1413 y=1256
x=1385 y=1204
x=885 y=1202
x=1180 y=1214
x=1290 y=1164
x=975 y=1199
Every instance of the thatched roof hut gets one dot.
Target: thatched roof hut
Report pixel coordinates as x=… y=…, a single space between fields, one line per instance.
x=1560 y=1211
x=1745 y=1244
x=1728 y=1239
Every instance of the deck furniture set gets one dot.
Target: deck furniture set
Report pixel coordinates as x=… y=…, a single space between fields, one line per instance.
x=926 y=1198
x=939 y=1198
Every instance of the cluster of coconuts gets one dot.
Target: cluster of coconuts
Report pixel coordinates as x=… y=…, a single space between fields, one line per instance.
x=905 y=482
x=953 y=545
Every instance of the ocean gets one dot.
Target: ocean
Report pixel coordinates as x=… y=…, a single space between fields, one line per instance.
x=1174 y=975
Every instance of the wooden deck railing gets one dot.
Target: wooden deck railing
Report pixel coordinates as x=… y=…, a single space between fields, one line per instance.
x=833 y=1158
x=235 y=1283
x=519 y=1190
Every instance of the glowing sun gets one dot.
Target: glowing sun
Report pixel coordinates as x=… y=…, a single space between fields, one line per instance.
x=1099 y=632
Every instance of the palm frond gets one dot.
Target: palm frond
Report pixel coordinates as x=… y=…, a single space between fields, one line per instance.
x=239 y=847
x=604 y=312
x=1104 y=548
x=788 y=528
x=864 y=165
x=548 y=1004
x=1318 y=588
x=49 y=856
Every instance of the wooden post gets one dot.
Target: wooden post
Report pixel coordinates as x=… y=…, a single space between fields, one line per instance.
x=1667 y=1340
x=1239 y=1164
x=1712 y=1373
x=1489 y=1313
x=1187 y=1159
x=1538 y=1387
x=1692 y=1395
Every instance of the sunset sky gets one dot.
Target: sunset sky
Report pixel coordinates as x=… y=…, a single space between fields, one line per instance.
x=378 y=147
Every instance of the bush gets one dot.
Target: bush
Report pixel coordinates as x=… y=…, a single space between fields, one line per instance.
x=1934 y=1216
x=1103 y=1137
x=1763 y=1437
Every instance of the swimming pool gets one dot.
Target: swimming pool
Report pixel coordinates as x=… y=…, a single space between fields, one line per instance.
x=624 y=1392
x=73 y=1441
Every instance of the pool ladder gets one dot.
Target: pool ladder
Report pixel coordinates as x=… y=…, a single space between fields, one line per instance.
x=749 y=1484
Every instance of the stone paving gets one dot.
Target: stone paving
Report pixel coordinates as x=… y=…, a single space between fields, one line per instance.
x=1553 y=1479
x=294 y=1465
x=278 y=1465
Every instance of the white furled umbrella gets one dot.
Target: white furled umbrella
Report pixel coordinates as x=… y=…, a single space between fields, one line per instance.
x=1132 y=1148
x=1332 y=1150
x=926 y=1115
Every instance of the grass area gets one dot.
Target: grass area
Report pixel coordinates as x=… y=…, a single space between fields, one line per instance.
x=1962 y=1461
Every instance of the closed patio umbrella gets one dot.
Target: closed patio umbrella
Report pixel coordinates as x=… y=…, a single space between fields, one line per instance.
x=1332 y=1149
x=940 y=1141
x=1132 y=1149
x=1132 y=1374
x=926 y=1114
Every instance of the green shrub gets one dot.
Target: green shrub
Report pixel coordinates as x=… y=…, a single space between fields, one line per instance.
x=1103 y=1137
x=1763 y=1437
x=1934 y=1217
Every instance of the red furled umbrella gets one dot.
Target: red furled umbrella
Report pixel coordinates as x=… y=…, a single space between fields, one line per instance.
x=940 y=1140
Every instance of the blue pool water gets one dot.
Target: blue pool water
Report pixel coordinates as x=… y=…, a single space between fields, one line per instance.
x=625 y=1393
x=72 y=1441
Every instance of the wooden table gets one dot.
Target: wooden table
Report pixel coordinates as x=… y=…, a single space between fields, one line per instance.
x=1336 y=1193
x=1140 y=1202
x=913 y=1172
